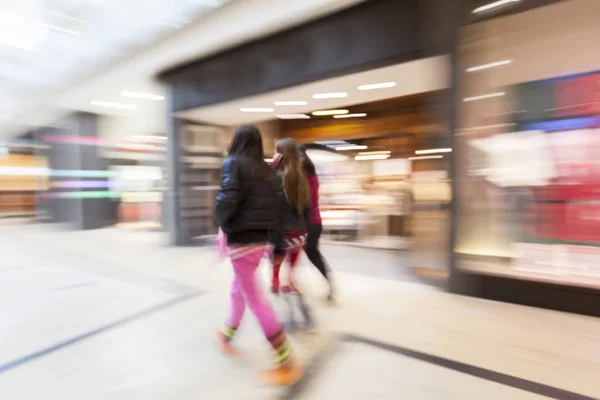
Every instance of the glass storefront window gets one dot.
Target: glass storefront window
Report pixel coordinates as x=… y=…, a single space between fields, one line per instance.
x=529 y=167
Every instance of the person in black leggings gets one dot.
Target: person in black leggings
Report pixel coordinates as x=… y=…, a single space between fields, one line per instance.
x=315 y=225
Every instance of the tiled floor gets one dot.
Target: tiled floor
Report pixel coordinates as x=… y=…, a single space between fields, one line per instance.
x=385 y=375
x=115 y=314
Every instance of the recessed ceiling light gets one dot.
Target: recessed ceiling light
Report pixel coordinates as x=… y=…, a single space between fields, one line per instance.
x=489 y=65
x=293 y=116
x=290 y=103
x=351 y=115
x=484 y=96
x=372 y=157
x=493 y=5
x=425 y=157
x=368 y=153
x=141 y=95
x=373 y=86
x=257 y=110
x=330 y=112
x=339 y=95
x=433 y=151
x=110 y=104
x=351 y=147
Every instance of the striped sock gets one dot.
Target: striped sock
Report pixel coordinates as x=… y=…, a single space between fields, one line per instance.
x=282 y=347
x=228 y=332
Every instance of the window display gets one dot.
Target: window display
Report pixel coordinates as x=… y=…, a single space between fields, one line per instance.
x=528 y=169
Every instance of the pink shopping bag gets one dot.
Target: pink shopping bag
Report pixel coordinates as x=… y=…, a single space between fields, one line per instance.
x=222 y=244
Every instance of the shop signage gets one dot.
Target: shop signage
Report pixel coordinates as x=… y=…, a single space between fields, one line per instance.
x=560 y=98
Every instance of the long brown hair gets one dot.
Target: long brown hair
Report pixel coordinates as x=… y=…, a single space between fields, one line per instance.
x=247 y=142
x=307 y=163
x=295 y=185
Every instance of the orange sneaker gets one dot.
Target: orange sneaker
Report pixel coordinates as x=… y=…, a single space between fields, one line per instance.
x=284 y=375
x=222 y=342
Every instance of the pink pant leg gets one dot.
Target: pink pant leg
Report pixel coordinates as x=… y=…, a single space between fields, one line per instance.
x=238 y=305
x=245 y=267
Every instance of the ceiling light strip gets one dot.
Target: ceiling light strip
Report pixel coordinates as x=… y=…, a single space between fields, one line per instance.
x=493 y=5
x=368 y=153
x=330 y=112
x=489 y=65
x=293 y=116
x=434 y=151
x=338 y=95
x=374 y=86
x=483 y=96
x=359 y=115
x=425 y=157
x=372 y=157
x=351 y=147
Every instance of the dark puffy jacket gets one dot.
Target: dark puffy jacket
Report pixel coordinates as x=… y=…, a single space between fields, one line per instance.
x=247 y=205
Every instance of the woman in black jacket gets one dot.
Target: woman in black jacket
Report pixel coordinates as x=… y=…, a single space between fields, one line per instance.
x=246 y=210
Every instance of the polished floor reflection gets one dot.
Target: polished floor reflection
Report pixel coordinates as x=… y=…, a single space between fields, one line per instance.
x=117 y=314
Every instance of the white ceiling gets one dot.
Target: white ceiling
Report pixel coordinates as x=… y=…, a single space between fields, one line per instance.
x=120 y=45
x=44 y=45
x=413 y=77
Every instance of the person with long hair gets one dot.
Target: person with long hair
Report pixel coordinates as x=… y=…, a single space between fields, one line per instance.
x=295 y=207
x=315 y=224
x=244 y=211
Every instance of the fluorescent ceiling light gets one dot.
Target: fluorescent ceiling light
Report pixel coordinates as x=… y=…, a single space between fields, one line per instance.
x=339 y=95
x=290 y=103
x=484 y=96
x=489 y=65
x=293 y=116
x=493 y=5
x=257 y=110
x=110 y=104
x=368 y=153
x=330 y=112
x=140 y=95
x=433 y=151
x=374 y=86
x=425 y=157
x=351 y=147
x=359 y=115
x=372 y=157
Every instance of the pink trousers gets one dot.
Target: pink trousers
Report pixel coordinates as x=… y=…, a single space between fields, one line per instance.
x=246 y=291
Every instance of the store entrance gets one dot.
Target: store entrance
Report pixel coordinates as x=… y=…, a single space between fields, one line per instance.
x=380 y=151
x=383 y=176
